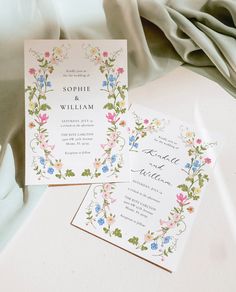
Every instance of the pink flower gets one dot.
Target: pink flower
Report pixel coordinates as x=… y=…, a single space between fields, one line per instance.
x=105 y=54
x=32 y=71
x=106 y=195
x=107 y=187
x=43 y=118
x=54 y=61
x=41 y=136
x=162 y=222
x=111 y=117
x=43 y=145
x=146 y=121
x=51 y=146
x=207 y=160
x=181 y=199
x=103 y=146
x=111 y=143
x=46 y=54
x=170 y=224
x=113 y=136
x=176 y=217
x=198 y=141
x=120 y=70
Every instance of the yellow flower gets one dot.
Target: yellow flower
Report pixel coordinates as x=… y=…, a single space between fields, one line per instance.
x=58 y=165
x=157 y=122
x=189 y=134
x=58 y=51
x=148 y=237
x=93 y=51
x=197 y=190
x=110 y=220
x=31 y=105
x=97 y=164
x=122 y=103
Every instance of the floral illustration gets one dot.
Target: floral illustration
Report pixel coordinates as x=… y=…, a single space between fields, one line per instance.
x=110 y=161
x=99 y=212
x=141 y=130
x=45 y=164
x=163 y=242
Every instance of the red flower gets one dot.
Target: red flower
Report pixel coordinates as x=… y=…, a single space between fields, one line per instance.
x=120 y=70
x=46 y=54
x=32 y=71
x=198 y=141
x=207 y=160
x=105 y=54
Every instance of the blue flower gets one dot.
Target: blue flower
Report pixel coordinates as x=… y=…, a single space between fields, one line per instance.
x=42 y=160
x=113 y=158
x=111 y=78
x=167 y=239
x=97 y=208
x=154 y=246
x=194 y=169
x=188 y=165
x=41 y=85
x=49 y=84
x=135 y=145
x=101 y=221
x=132 y=139
x=196 y=163
x=104 y=83
x=41 y=79
x=105 y=168
x=50 y=170
x=112 y=84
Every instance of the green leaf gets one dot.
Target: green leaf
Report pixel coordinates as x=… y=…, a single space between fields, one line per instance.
x=86 y=172
x=183 y=187
x=31 y=95
x=109 y=106
x=42 y=97
x=44 y=107
x=69 y=173
x=58 y=175
x=97 y=174
x=143 y=247
x=106 y=230
x=169 y=249
x=191 y=179
x=117 y=233
x=134 y=240
x=165 y=253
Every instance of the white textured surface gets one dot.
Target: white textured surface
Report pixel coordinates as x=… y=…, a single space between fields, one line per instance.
x=48 y=254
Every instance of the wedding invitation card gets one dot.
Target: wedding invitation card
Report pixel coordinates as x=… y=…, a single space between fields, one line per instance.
x=76 y=111
x=152 y=215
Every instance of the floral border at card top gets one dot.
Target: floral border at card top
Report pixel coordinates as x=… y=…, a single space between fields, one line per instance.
x=45 y=165
x=99 y=213
x=110 y=162
x=163 y=242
